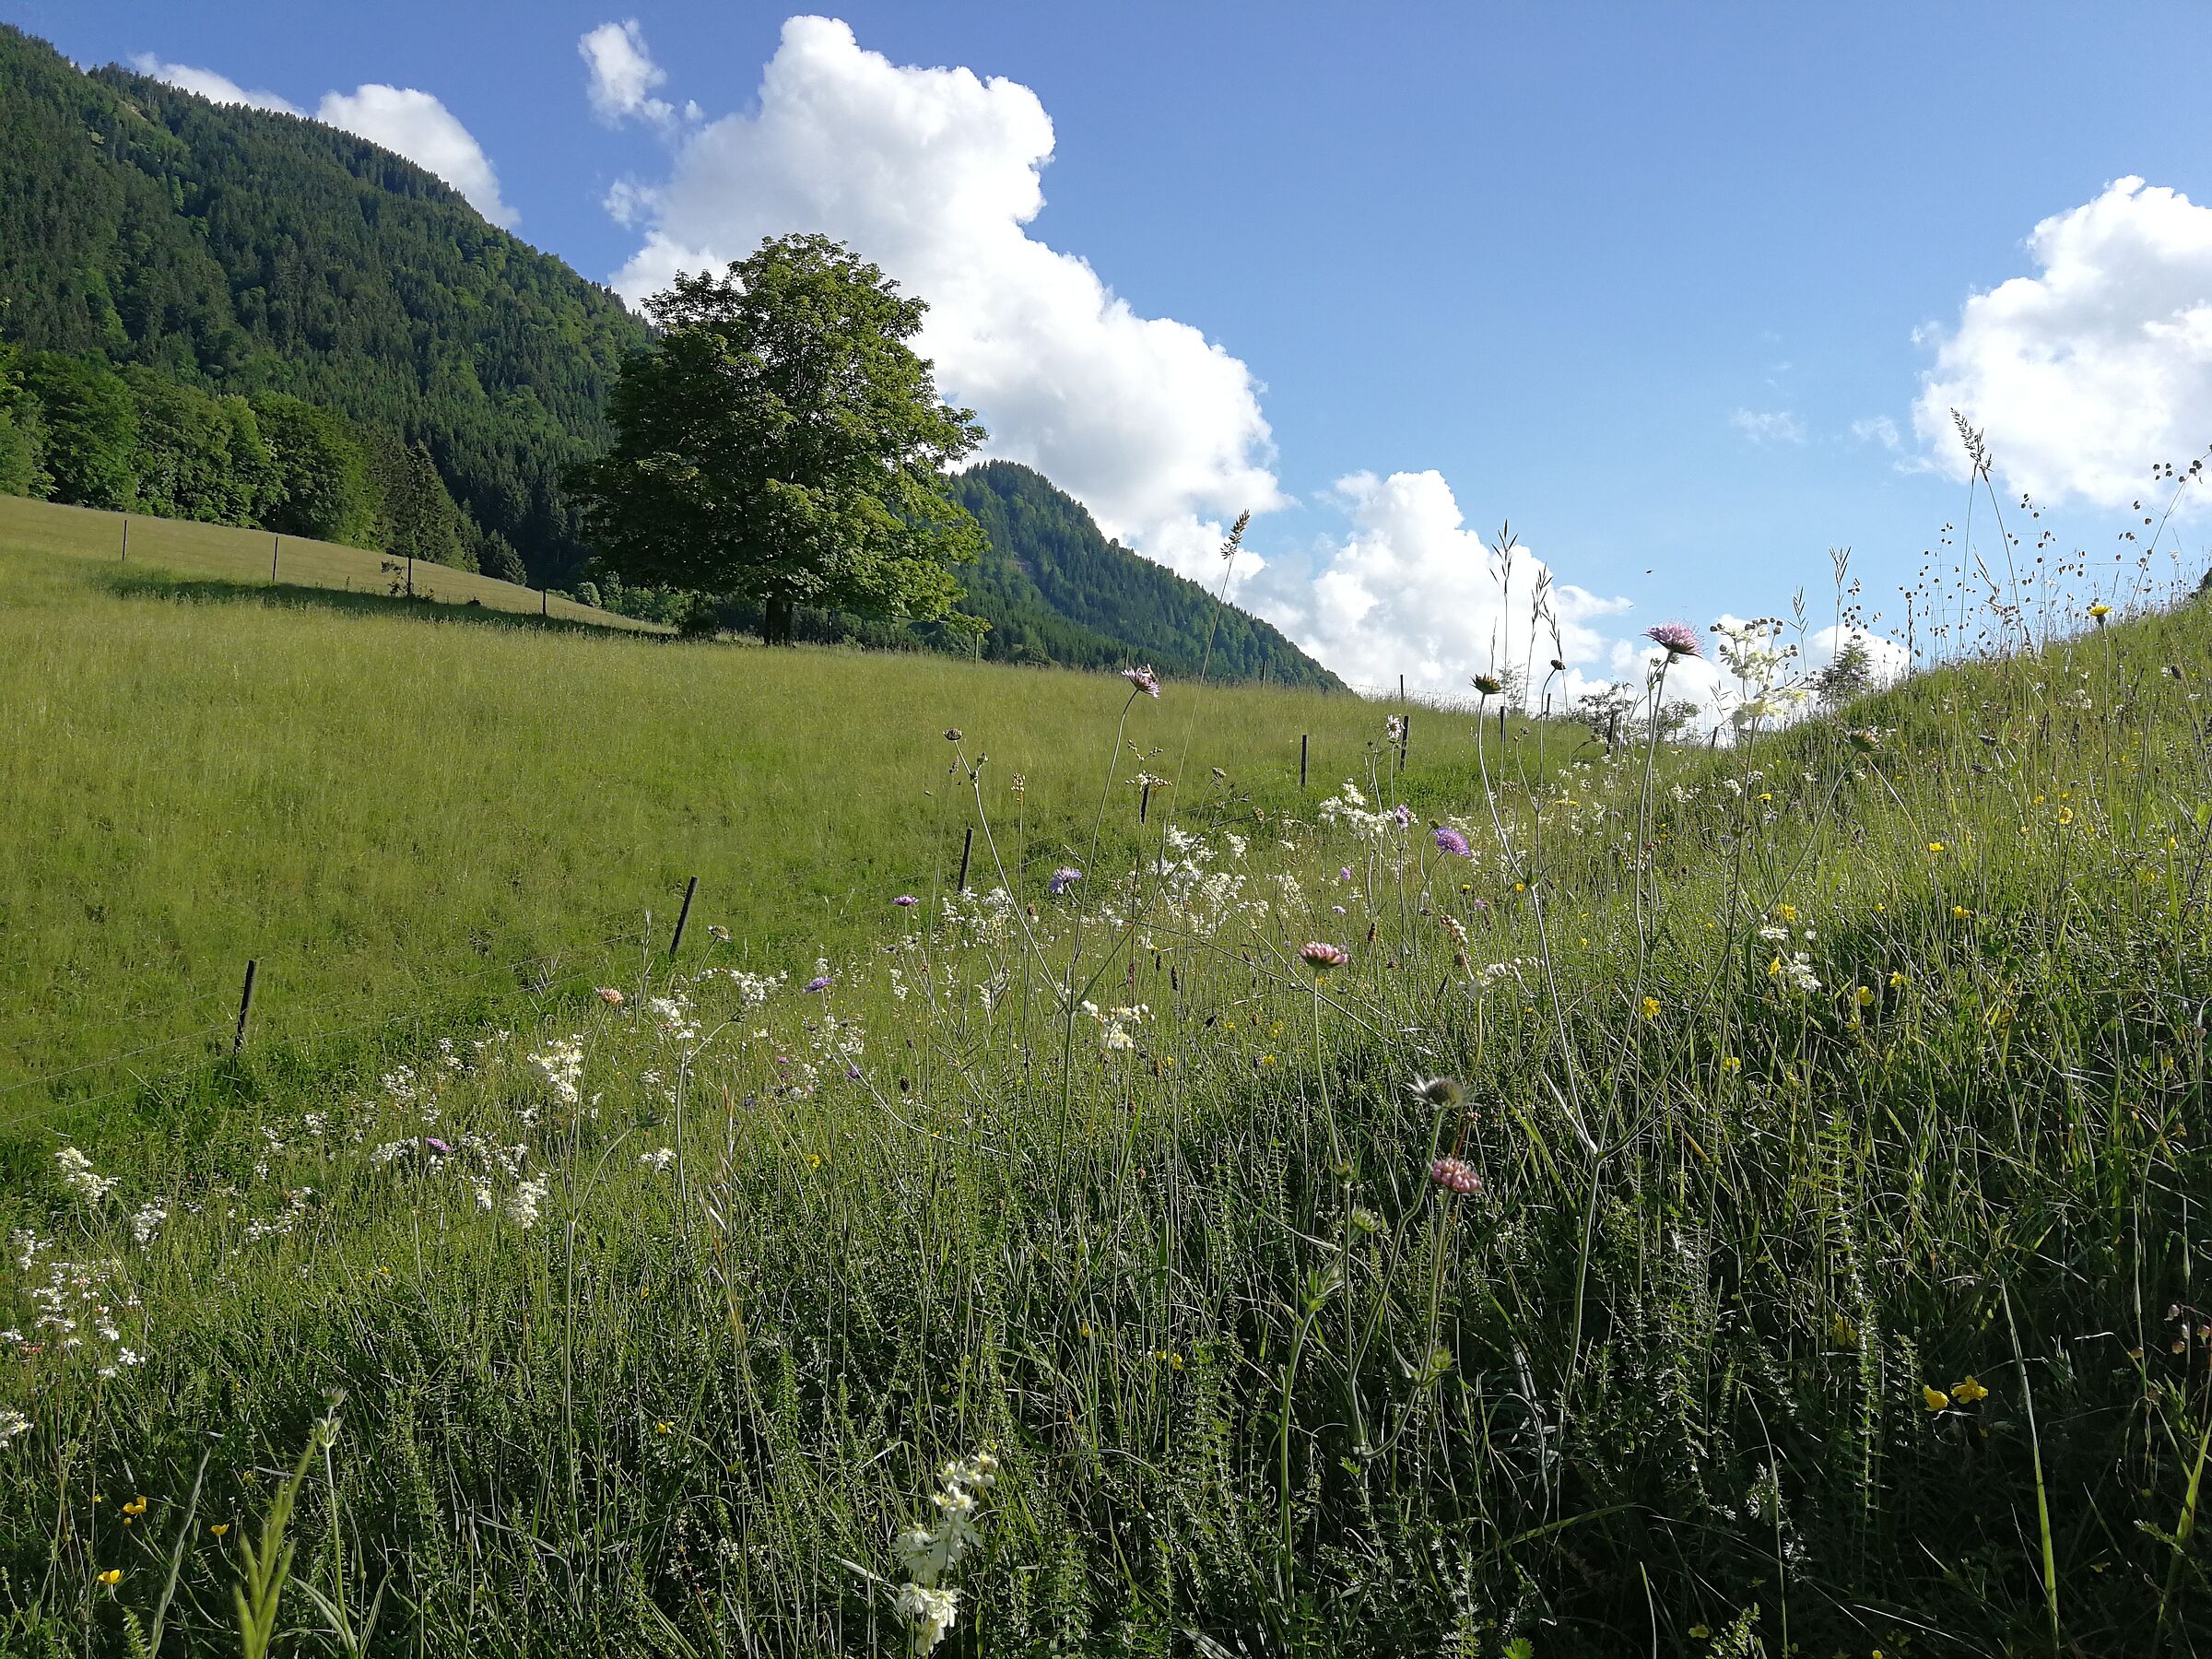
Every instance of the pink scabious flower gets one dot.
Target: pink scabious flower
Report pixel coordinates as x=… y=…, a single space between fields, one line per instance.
x=906 y=901
x=821 y=981
x=433 y=1144
x=1345 y=873
x=1402 y=813
x=1144 y=679
x=611 y=997
x=1321 y=957
x=1677 y=638
x=1449 y=840
x=1455 y=1175
x=1062 y=880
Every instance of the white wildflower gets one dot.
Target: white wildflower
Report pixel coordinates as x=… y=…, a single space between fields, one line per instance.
x=79 y=1177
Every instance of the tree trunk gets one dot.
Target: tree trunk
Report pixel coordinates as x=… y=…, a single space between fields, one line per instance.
x=775 y=621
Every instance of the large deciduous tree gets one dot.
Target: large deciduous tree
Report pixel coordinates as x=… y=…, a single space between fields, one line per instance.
x=782 y=442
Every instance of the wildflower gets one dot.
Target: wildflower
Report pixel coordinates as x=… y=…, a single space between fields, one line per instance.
x=12 y=1423
x=146 y=1221
x=1144 y=679
x=1438 y=1091
x=1455 y=1175
x=718 y=933
x=952 y=733
x=819 y=984
x=611 y=997
x=1393 y=728
x=1968 y=1392
x=658 y=1160
x=1934 y=1399
x=1403 y=814
x=1864 y=996
x=522 y=1203
x=220 y=1529
x=1322 y=958
x=1731 y=1065
x=2100 y=611
x=1935 y=846
x=906 y=901
x=1677 y=638
x=1449 y=840
x=111 y=1577
x=79 y=1177
x=931 y=1612
x=1489 y=685
x=1062 y=880
x=1650 y=1008
x=1788 y=912
x=1960 y=912
x=2065 y=815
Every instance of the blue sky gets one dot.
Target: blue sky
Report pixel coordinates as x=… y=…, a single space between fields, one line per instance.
x=1646 y=280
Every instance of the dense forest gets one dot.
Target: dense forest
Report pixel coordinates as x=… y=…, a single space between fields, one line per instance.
x=191 y=256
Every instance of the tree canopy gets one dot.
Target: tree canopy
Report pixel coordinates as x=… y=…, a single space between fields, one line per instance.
x=782 y=442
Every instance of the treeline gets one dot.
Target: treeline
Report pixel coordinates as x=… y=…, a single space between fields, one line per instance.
x=131 y=440
x=184 y=247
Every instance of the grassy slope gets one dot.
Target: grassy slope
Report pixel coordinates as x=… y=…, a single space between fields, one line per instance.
x=372 y=802
x=1827 y=1317
x=174 y=548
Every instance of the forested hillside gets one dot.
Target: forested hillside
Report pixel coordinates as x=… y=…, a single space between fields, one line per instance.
x=1054 y=589
x=227 y=251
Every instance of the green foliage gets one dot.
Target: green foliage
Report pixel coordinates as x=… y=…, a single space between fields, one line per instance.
x=1054 y=589
x=243 y=251
x=21 y=439
x=90 y=430
x=199 y=456
x=781 y=443
x=325 y=489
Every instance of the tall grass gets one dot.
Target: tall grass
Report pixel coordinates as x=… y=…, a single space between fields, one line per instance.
x=1832 y=1106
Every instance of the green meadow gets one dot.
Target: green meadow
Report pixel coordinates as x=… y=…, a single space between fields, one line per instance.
x=394 y=808
x=1739 y=1200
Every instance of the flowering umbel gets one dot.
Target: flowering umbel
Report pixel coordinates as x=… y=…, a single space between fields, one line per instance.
x=930 y=1549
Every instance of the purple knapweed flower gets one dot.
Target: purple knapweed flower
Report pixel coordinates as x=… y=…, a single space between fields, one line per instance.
x=1062 y=880
x=1321 y=957
x=1144 y=679
x=1449 y=840
x=1345 y=873
x=821 y=981
x=1677 y=638
x=1402 y=813
x=906 y=901
x=435 y=1144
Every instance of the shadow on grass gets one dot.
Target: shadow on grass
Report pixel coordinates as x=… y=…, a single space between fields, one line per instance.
x=134 y=584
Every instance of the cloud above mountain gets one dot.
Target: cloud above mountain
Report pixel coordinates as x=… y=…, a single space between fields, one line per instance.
x=935 y=174
x=401 y=119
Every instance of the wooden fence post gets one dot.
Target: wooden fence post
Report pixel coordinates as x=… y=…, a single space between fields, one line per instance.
x=967 y=847
x=1304 y=738
x=245 y=1006
x=684 y=915
x=1144 y=802
x=1405 y=739
x=274 y=542
x=126 y=559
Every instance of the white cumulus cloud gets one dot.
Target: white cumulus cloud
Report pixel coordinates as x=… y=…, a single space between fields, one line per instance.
x=217 y=89
x=935 y=174
x=2086 y=373
x=623 y=74
x=1412 y=591
x=1763 y=427
x=404 y=121
x=415 y=124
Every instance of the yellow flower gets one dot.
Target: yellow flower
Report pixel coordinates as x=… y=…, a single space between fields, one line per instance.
x=1934 y=1398
x=1968 y=1392
x=814 y=1161
x=1788 y=912
x=1960 y=912
x=221 y=1529
x=1843 y=1332
x=2101 y=610
x=111 y=1577
x=1266 y=1059
x=1650 y=1008
x=1866 y=995
x=2065 y=815
x=1935 y=846
x=1897 y=980
x=665 y=1428
x=1729 y=1063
